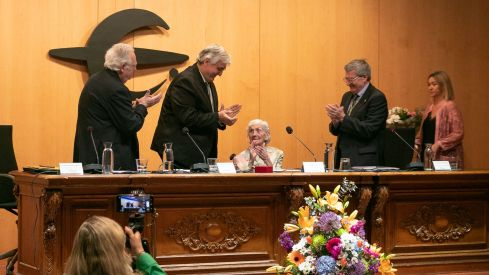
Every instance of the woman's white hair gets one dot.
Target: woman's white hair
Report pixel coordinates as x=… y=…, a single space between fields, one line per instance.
x=214 y=53
x=264 y=127
x=117 y=56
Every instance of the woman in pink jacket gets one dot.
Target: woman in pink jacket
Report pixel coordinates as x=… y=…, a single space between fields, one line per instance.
x=442 y=124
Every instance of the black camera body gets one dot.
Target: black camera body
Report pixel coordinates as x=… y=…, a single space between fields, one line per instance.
x=136 y=222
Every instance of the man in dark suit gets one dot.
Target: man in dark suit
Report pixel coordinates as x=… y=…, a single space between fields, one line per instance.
x=359 y=122
x=105 y=110
x=191 y=101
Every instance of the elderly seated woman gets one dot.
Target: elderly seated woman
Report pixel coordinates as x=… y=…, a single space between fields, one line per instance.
x=259 y=153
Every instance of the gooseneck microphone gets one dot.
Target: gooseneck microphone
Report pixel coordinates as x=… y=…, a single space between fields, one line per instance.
x=412 y=165
x=197 y=167
x=93 y=166
x=405 y=142
x=90 y=130
x=290 y=131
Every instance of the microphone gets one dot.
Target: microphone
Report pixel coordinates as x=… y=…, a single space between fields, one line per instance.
x=197 y=167
x=412 y=166
x=290 y=131
x=173 y=73
x=93 y=166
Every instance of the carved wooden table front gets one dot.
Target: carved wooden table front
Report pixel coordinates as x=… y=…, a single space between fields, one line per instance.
x=230 y=223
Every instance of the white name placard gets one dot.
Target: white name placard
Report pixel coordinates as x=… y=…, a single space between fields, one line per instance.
x=226 y=168
x=313 y=167
x=71 y=168
x=441 y=165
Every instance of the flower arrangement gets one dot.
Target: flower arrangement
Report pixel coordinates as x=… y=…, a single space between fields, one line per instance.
x=402 y=118
x=328 y=240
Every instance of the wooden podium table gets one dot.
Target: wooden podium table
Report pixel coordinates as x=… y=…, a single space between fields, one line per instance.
x=212 y=223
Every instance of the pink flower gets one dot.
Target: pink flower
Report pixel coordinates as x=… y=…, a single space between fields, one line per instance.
x=334 y=247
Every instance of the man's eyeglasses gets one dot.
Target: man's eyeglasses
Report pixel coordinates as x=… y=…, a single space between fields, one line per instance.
x=350 y=80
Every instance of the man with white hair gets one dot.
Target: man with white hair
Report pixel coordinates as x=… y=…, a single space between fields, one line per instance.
x=106 y=112
x=191 y=102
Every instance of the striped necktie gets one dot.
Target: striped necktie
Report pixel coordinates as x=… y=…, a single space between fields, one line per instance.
x=353 y=103
x=209 y=91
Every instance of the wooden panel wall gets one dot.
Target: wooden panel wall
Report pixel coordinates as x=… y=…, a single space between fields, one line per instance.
x=298 y=78
x=287 y=64
x=419 y=37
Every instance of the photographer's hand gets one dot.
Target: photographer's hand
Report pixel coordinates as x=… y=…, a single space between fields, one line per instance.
x=135 y=241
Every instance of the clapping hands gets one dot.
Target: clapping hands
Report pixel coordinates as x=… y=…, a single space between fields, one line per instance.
x=148 y=99
x=335 y=112
x=228 y=116
x=260 y=151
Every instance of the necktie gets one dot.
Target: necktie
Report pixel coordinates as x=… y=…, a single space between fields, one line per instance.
x=353 y=103
x=209 y=91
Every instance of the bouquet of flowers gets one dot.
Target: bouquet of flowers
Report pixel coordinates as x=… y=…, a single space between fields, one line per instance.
x=401 y=117
x=328 y=240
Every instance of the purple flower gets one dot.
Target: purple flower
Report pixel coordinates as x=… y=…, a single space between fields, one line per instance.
x=358 y=229
x=328 y=222
x=325 y=265
x=286 y=241
x=334 y=247
x=358 y=269
x=374 y=266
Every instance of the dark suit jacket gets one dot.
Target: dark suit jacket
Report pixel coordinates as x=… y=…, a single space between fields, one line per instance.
x=187 y=104
x=361 y=135
x=105 y=105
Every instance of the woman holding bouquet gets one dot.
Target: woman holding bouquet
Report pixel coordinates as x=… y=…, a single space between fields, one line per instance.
x=442 y=124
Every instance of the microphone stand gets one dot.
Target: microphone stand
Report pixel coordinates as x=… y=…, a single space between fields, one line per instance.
x=197 y=167
x=291 y=131
x=412 y=166
x=93 y=167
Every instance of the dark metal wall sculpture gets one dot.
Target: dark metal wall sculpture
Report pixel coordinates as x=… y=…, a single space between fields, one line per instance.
x=109 y=32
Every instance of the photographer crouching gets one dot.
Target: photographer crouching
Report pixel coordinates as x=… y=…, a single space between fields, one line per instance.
x=99 y=248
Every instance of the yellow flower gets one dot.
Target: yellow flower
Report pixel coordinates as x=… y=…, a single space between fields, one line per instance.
x=303 y=211
x=275 y=269
x=314 y=191
x=374 y=248
x=295 y=257
x=348 y=221
x=353 y=215
x=337 y=189
x=333 y=202
x=322 y=202
x=290 y=227
x=305 y=221
x=386 y=267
